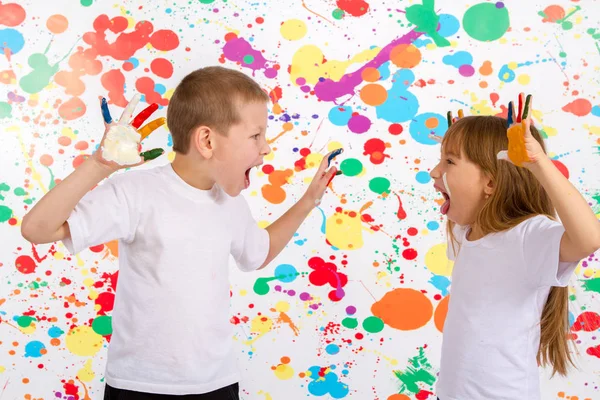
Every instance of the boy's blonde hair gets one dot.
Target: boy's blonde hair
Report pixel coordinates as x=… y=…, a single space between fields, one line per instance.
x=517 y=196
x=209 y=96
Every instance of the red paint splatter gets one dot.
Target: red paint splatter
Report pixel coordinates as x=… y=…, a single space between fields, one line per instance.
x=375 y=148
x=424 y=395
x=71 y=389
x=276 y=94
x=72 y=109
x=126 y=44
x=106 y=301
x=395 y=129
x=494 y=97
x=146 y=86
x=114 y=82
x=326 y=273
x=82 y=62
x=97 y=249
x=161 y=68
x=588 y=321
x=594 y=351
x=409 y=254
x=25 y=264
x=579 y=107
x=11 y=14
x=401 y=214
x=562 y=168
x=164 y=40
x=356 y=8
x=300 y=164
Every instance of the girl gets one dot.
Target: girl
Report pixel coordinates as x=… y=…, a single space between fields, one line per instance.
x=508 y=308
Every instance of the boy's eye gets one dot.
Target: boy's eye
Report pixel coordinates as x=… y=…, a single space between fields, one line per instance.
x=449 y=161
x=256 y=136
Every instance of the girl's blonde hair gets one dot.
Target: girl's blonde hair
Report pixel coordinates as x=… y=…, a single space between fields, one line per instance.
x=517 y=196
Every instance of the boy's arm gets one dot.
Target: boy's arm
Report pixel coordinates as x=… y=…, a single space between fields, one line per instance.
x=46 y=221
x=582 y=228
x=283 y=229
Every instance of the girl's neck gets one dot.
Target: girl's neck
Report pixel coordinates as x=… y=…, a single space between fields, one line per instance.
x=474 y=233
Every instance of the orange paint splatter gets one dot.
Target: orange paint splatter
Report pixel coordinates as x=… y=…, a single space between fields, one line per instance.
x=439 y=317
x=579 y=107
x=404 y=309
x=57 y=23
x=370 y=74
x=405 y=56
x=373 y=94
x=486 y=68
x=72 y=109
x=273 y=192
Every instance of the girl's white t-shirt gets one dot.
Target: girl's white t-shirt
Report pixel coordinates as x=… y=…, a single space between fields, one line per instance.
x=500 y=284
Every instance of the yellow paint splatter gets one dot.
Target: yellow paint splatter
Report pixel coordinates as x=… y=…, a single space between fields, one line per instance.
x=260 y=325
x=293 y=29
x=86 y=374
x=267 y=395
x=29 y=329
x=344 y=230
x=523 y=79
x=437 y=262
x=282 y=306
x=284 y=372
x=595 y=130
x=83 y=341
x=307 y=63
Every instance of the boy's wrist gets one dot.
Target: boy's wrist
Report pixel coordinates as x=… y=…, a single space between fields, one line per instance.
x=306 y=203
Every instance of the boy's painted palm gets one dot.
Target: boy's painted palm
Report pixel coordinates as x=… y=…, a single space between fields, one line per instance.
x=121 y=143
x=523 y=149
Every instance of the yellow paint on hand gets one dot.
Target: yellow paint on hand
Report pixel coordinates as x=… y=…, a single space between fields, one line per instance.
x=83 y=341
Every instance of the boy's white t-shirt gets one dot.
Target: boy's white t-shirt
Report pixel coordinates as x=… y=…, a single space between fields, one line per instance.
x=171 y=329
x=491 y=336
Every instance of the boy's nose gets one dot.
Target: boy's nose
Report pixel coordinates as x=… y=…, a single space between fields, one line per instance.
x=435 y=173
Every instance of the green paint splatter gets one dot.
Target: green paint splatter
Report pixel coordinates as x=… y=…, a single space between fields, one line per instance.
x=248 y=59
x=572 y=297
x=5 y=213
x=592 y=285
x=351 y=167
x=261 y=286
x=102 y=325
x=338 y=14
x=86 y=3
x=373 y=324
x=206 y=1
x=596 y=207
x=24 y=321
x=3 y=188
x=426 y=20
x=5 y=110
x=379 y=185
x=486 y=21
x=350 y=323
x=417 y=371
x=20 y=191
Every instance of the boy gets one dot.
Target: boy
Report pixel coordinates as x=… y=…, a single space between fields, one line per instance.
x=177 y=225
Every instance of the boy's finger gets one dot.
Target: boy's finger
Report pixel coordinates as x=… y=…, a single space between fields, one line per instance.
x=511 y=111
x=330 y=175
x=527 y=109
x=105 y=111
x=519 y=115
x=333 y=154
x=151 y=127
x=128 y=112
x=144 y=115
x=152 y=154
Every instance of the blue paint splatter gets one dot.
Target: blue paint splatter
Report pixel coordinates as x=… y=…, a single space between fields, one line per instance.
x=449 y=25
x=286 y=273
x=328 y=384
x=433 y=225
x=340 y=115
x=596 y=111
x=11 y=39
x=332 y=349
x=423 y=177
x=458 y=59
x=441 y=283
x=401 y=105
x=420 y=132
x=324 y=220
x=160 y=88
x=384 y=71
x=34 y=349
x=55 y=332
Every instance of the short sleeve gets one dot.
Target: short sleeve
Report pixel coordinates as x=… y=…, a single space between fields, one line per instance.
x=541 y=251
x=458 y=232
x=250 y=244
x=102 y=215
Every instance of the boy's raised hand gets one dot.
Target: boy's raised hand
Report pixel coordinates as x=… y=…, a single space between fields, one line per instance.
x=322 y=178
x=121 y=143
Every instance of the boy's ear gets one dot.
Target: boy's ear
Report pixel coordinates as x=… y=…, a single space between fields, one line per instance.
x=202 y=141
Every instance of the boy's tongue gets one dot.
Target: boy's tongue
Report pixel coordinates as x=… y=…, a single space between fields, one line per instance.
x=446 y=206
